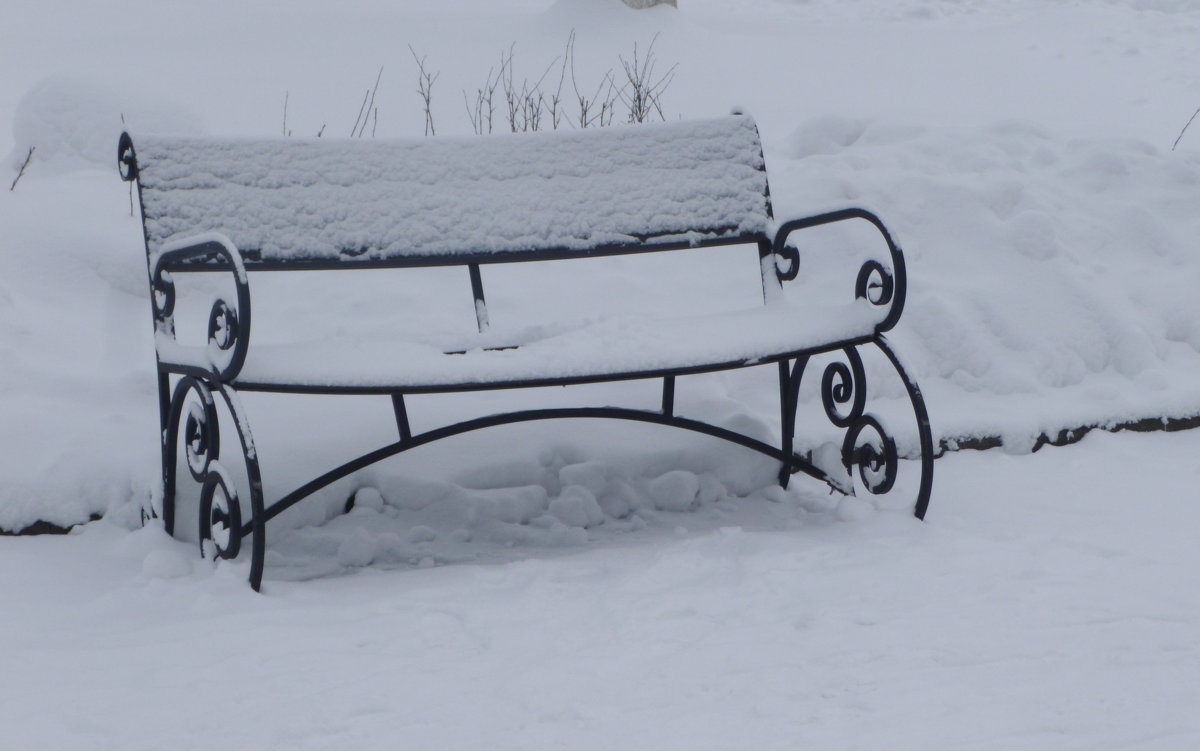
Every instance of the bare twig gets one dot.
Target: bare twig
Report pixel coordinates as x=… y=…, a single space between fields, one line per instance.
x=371 y=105
x=556 y=112
x=425 y=82
x=285 y=104
x=588 y=116
x=361 y=108
x=23 y=166
x=527 y=105
x=1189 y=122
x=484 y=109
x=511 y=99
x=535 y=99
x=644 y=96
x=492 y=90
x=475 y=115
x=321 y=131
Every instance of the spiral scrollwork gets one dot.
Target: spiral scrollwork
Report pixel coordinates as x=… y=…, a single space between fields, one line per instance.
x=228 y=322
x=201 y=432
x=162 y=296
x=875 y=284
x=875 y=457
x=223 y=325
x=882 y=284
x=790 y=255
x=844 y=384
x=867 y=444
x=220 y=513
x=126 y=158
x=193 y=418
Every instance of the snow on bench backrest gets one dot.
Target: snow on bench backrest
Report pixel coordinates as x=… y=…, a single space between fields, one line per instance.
x=293 y=200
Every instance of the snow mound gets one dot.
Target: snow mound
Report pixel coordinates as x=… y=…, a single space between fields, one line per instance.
x=73 y=123
x=408 y=522
x=1052 y=279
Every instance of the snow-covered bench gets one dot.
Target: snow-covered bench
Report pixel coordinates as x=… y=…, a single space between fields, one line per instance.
x=240 y=206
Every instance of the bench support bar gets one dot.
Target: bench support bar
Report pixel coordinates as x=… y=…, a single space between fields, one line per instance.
x=867 y=445
x=796 y=463
x=401 y=416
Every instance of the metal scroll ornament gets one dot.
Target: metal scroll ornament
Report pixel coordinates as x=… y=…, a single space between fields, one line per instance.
x=867 y=444
x=223 y=325
x=220 y=513
x=791 y=255
x=869 y=447
x=201 y=433
x=220 y=509
x=126 y=158
x=162 y=296
x=844 y=384
x=875 y=284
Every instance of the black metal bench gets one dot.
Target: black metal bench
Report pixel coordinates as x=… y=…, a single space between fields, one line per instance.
x=236 y=206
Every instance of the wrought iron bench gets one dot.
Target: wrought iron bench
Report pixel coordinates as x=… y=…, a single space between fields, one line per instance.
x=240 y=206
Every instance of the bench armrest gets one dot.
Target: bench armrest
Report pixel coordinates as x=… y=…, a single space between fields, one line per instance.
x=879 y=283
x=228 y=325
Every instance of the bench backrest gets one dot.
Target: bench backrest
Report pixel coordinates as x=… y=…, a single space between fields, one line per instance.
x=321 y=203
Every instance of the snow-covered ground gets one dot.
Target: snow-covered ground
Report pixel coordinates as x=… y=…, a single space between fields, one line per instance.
x=591 y=585
x=1049 y=603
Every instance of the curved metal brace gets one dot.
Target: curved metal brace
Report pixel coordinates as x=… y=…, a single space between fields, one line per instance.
x=924 y=432
x=258 y=518
x=795 y=463
x=228 y=325
x=212 y=475
x=841 y=384
x=204 y=431
x=875 y=283
x=789 y=396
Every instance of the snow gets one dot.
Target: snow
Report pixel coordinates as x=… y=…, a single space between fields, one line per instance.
x=592 y=584
x=1050 y=611
x=674 y=491
x=611 y=345
x=1058 y=280
x=71 y=121
x=292 y=199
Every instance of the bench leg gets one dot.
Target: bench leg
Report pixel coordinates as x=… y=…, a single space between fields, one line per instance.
x=168 y=488
x=220 y=523
x=789 y=390
x=924 y=432
x=868 y=449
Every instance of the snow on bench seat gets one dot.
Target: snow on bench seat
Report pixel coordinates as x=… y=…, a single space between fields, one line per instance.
x=612 y=346
x=292 y=200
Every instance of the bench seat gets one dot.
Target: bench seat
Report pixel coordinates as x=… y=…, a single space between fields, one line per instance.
x=618 y=347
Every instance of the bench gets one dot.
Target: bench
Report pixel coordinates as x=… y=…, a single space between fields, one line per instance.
x=234 y=207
